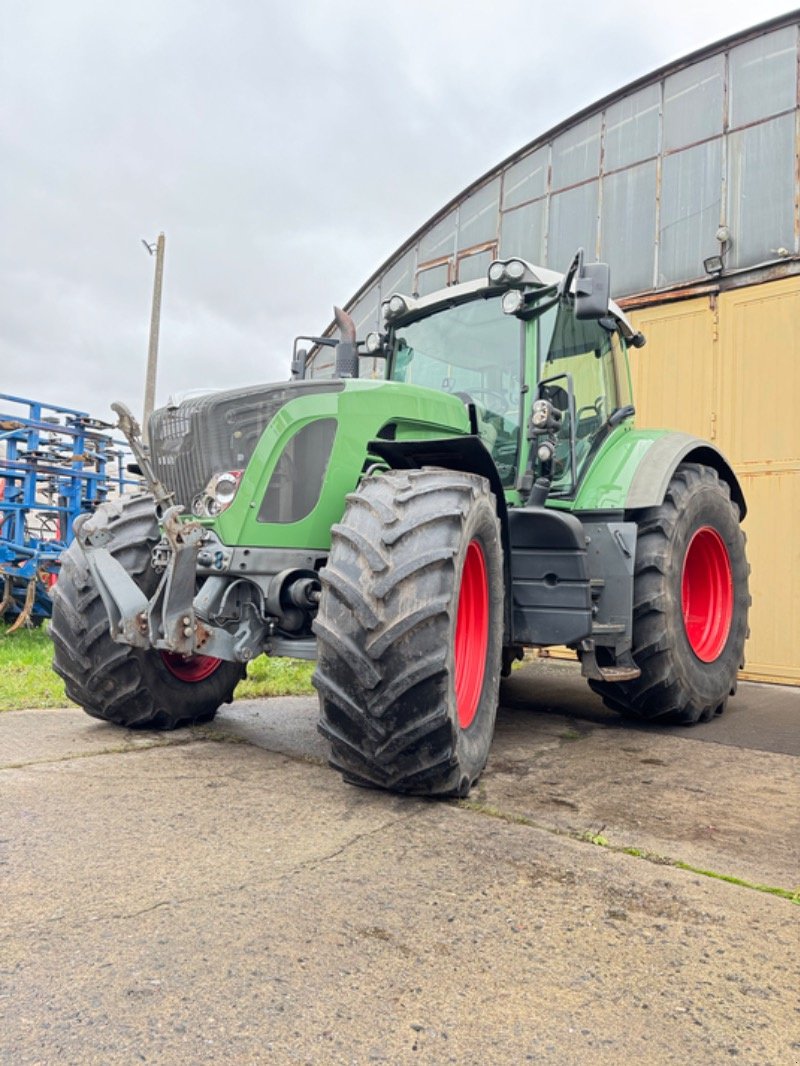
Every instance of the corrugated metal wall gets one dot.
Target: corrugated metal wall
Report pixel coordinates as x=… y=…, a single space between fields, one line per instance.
x=727 y=368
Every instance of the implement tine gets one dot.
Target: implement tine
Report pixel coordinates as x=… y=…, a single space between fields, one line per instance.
x=27 y=608
x=7 y=599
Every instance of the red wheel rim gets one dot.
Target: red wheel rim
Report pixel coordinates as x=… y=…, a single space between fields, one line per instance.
x=192 y=668
x=707 y=594
x=472 y=634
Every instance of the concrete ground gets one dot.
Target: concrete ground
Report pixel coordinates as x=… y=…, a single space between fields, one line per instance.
x=217 y=895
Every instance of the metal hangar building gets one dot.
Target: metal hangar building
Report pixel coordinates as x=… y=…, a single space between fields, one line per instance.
x=688 y=183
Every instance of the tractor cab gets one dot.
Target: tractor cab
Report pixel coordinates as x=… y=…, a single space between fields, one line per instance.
x=502 y=344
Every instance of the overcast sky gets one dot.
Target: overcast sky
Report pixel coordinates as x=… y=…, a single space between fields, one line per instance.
x=286 y=150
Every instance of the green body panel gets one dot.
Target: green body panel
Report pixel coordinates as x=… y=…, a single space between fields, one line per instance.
x=605 y=485
x=362 y=409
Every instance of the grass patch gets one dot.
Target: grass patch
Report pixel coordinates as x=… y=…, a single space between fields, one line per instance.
x=29 y=680
x=276 y=677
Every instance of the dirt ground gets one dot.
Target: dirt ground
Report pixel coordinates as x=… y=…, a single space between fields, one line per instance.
x=217 y=895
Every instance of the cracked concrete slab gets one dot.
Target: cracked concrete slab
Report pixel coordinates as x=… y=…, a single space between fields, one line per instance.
x=69 y=734
x=703 y=795
x=218 y=895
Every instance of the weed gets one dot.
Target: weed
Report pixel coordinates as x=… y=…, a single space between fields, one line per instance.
x=793 y=896
x=597 y=839
x=572 y=734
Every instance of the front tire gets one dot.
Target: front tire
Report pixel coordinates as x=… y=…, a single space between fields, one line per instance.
x=690 y=604
x=140 y=689
x=410 y=632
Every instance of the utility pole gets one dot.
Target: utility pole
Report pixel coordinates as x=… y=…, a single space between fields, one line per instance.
x=155 y=321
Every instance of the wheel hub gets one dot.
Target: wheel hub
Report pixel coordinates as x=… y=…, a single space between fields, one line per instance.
x=472 y=634
x=707 y=594
x=192 y=668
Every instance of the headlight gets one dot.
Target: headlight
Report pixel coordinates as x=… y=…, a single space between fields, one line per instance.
x=510 y=272
x=373 y=343
x=395 y=306
x=218 y=494
x=225 y=488
x=497 y=273
x=512 y=301
x=541 y=413
x=515 y=269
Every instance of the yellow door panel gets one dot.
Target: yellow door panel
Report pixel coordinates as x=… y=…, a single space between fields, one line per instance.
x=773 y=548
x=760 y=373
x=674 y=378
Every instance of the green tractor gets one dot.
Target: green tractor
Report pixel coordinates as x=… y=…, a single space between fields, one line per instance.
x=414 y=531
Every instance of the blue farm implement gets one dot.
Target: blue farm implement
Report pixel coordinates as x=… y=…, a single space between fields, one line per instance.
x=55 y=464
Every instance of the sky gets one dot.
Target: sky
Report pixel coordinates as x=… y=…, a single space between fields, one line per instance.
x=286 y=150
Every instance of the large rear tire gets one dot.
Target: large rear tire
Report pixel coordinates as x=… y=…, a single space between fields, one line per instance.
x=114 y=682
x=690 y=604
x=410 y=632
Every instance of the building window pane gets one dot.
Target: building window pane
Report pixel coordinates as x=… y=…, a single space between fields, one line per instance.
x=432 y=279
x=522 y=232
x=573 y=225
x=632 y=128
x=693 y=103
x=576 y=153
x=366 y=313
x=477 y=216
x=628 y=227
x=690 y=211
x=322 y=365
x=761 y=191
x=526 y=180
x=398 y=277
x=763 y=76
x=440 y=240
x=473 y=267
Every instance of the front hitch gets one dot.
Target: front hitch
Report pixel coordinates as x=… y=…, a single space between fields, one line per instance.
x=171 y=620
x=168 y=620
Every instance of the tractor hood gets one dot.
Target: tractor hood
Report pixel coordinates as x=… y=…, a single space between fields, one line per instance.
x=217 y=431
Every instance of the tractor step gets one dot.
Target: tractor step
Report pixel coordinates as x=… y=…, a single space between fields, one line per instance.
x=619 y=673
x=624 y=669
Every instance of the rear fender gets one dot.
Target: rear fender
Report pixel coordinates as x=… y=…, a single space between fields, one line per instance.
x=633 y=467
x=649 y=484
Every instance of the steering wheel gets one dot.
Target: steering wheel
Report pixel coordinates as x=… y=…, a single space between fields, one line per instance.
x=594 y=410
x=473 y=394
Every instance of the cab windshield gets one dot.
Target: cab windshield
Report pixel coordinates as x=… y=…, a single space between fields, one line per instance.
x=475 y=352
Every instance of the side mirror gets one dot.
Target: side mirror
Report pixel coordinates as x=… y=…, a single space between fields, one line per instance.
x=299 y=360
x=592 y=290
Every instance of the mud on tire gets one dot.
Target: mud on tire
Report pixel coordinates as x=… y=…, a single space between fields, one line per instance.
x=690 y=603
x=410 y=632
x=115 y=682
